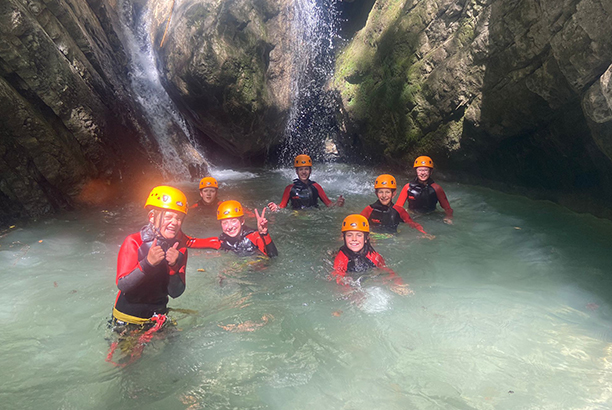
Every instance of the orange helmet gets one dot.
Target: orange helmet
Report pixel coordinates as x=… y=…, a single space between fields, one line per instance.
x=208 y=182
x=355 y=222
x=423 y=161
x=229 y=209
x=167 y=197
x=385 y=181
x=302 y=161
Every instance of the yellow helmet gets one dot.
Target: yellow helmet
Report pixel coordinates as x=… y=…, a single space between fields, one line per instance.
x=229 y=209
x=208 y=182
x=167 y=197
x=302 y=161
x=355 y=222
x=423 y=161
x=385 y=181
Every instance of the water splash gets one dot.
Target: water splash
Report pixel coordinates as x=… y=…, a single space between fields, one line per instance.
x=312 y=124
x=168 y=128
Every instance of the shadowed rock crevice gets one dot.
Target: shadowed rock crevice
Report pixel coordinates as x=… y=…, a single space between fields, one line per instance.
x=516 y=91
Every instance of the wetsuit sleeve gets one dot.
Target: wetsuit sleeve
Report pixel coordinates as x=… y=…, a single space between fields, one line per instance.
x=442 y=199
x=263 y=243
x=407 y=219
x=130 y=273
x=367 y=211
x=203 y=243
x=340 y=266
x=285 y=200
x=322 y=194
x=403 y=196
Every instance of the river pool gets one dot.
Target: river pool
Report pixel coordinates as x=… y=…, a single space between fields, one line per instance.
x=511 y=310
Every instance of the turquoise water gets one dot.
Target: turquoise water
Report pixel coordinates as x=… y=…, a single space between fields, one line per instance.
x=511 y=310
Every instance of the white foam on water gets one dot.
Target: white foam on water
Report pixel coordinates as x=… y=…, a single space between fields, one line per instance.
x=224 y=175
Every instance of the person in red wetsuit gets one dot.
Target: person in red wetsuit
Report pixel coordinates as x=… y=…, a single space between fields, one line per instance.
x=383 y=215
x=358 y=256
x=236 y=236
x=423 y=193
x=304 y=193
x=151 y=263
x=209 y=200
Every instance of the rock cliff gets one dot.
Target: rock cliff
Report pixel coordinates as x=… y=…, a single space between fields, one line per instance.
x=69 y=117
x=228 y=65
x=515 y=90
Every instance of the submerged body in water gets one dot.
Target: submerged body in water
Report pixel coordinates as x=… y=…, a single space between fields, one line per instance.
x=514 y=297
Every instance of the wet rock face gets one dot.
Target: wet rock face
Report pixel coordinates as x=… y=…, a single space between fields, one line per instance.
x=511 y=89
x=60 y=72
x=68 y=116
x=227 y=63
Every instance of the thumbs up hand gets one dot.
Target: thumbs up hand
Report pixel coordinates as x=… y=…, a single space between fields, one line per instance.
x=156 y=254
x=172 y=254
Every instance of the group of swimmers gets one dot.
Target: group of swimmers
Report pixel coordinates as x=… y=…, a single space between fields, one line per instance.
x=151 y=263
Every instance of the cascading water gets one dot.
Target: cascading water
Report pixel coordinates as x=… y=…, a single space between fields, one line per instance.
x=312 y=123
x=168 y=128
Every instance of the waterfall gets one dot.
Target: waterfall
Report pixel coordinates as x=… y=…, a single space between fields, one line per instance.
x=312 y=123
x=178 y=149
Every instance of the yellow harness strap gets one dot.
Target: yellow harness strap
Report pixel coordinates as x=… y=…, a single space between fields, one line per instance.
x=129 y=318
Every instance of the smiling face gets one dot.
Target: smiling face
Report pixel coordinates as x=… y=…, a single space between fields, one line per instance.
x=303 y=173
x=423 y=173
x=354 y=240
x=385 y=195
x=232 y=226
x=168 y=222
x=209 y=195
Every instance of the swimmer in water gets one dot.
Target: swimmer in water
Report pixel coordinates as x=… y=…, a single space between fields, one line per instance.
x=209 y=200
x=150 y=267
x=357 y=256
x=304 y=193
x=423 y=193
x=236 y=236
x=383 y=215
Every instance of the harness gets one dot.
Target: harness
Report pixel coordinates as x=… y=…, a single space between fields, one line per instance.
x=144 y=338
x=358 y=262
x=384 y=217
x=422 y=197
x=304 y=195
x=240 y=244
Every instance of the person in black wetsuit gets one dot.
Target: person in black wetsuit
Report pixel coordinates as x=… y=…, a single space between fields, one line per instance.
x=236 y=236
x=357 y=256
x=422 y=193
x=383 y=215
x=304 y=193
x=209 y=199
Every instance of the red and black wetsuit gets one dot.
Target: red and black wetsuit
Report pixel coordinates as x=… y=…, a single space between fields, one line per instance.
x=248 y=242
x=204 y=208
x=355 y=264
x=386 y=218
x=423 y=197
x=143 y=288
x=304 y=195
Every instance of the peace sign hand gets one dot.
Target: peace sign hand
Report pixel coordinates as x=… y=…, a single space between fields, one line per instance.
x=262 y=222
